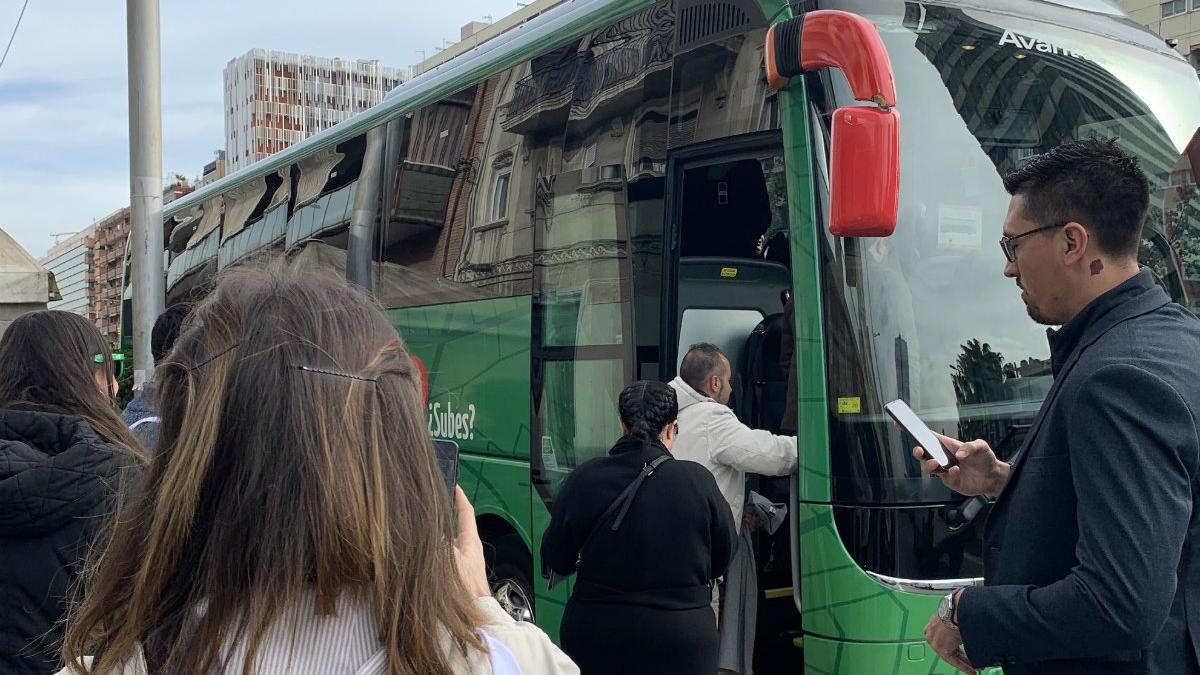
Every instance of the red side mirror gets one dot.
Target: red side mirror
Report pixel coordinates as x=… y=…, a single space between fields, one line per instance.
x=849 y=42
x=865 y=141
x=424 y=377
x=865 y=168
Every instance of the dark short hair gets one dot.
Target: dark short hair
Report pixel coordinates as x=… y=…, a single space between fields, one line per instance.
x=1091 y=182
x=700 y=362
x=166 y=331
x=646 y=407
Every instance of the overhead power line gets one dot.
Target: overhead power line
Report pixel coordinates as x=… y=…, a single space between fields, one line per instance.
x=14 y=34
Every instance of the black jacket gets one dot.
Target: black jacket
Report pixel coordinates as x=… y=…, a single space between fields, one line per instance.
x=676 y=538
x=1092 y=550
x=57 y=480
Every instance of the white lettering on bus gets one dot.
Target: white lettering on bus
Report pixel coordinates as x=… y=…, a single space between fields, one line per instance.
x=1025 y=42
x=452 y=424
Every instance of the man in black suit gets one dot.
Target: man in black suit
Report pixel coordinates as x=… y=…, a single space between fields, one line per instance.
x=1092 y=548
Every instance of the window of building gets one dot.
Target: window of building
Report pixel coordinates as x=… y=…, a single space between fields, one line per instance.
x=1175 y=7
x=460 y=234
x=499 y=207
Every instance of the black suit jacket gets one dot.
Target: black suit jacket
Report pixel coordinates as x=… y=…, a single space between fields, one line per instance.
x=1092 y=550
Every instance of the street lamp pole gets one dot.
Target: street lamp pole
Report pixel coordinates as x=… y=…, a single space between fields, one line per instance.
x=145 y=178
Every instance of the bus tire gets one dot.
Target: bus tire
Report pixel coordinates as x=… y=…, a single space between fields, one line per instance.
x=509 y=572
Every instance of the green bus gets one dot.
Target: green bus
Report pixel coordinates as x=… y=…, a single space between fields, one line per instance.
x=566 y=207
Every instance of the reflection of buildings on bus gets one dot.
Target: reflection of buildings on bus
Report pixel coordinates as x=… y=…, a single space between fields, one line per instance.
x=1066 y=92
x=573 y=142
x=1174 y=229
x=1054 y=94
x=903 y=383
x=1028 y=381
x=548 y=179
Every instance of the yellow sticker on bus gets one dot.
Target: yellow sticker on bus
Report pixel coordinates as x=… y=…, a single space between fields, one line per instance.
x=849 y=405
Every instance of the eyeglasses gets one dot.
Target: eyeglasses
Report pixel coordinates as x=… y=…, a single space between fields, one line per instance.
x=1006 y=242
x=677 y=428
x=118 y=363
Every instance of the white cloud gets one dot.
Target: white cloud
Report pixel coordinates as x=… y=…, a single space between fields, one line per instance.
x=64 y=152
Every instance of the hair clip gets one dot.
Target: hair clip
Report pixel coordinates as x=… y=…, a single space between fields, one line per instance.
x=336 y=373
x=213 y=357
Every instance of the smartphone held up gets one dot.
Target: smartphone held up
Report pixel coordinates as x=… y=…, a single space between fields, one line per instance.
x=929 y=442
x=447 y=457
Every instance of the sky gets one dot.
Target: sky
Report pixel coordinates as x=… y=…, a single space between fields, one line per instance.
x=64 y=129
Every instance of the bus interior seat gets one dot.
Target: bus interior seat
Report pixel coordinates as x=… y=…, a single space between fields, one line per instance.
x=764 y=376
x=722 y=301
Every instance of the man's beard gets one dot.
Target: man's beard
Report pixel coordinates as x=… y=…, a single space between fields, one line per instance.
x=1034 y=313
x=1037 y=315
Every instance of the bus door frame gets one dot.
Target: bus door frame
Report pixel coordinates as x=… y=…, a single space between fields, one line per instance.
x=707 y=153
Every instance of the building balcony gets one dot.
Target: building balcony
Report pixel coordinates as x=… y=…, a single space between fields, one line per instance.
x=586 y=81
x=541 y=98
x=621 y=78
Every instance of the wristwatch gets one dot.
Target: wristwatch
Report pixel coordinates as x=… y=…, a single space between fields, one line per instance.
x=946 y=610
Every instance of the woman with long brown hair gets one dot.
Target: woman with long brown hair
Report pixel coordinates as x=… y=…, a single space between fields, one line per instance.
x=294 y=518
x=64 y=452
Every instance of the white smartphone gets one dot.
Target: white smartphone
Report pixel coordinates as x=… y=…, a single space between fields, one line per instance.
x=906 y=418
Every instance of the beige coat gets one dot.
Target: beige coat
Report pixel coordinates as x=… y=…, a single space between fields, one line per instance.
x=346 y=644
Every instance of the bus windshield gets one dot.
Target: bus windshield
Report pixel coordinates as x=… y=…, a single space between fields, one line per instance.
x=926 y=315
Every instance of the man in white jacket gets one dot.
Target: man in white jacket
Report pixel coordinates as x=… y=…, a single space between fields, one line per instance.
x=712 y=435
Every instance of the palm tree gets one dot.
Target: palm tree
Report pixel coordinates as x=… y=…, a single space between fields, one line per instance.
x=979 y=374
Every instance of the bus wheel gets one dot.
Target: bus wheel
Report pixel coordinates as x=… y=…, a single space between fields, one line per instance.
x=509 y=578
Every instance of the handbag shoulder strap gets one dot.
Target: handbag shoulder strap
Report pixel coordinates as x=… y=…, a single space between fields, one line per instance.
x=621 y=504
x=627 y=497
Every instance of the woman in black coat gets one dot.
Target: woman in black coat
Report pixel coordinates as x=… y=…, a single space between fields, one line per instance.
x=64 y=452
x=641 y=602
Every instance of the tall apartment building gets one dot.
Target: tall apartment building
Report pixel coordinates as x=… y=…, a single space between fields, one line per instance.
x=1177 y=21
x=70 y=263
x=107 y=276
x=274 y=99
x=90 y=267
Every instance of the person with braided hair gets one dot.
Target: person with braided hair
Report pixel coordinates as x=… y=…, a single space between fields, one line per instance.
x=646 y=536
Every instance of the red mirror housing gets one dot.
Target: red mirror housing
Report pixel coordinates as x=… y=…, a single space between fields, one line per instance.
x=865 y=142
x=423 y=377
x=849 y=42
x=865 y=172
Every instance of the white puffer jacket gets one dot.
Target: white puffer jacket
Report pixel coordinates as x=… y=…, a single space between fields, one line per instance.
x=712 y=435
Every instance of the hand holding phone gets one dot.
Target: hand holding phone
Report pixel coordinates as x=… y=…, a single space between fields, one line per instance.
x=929 y=442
